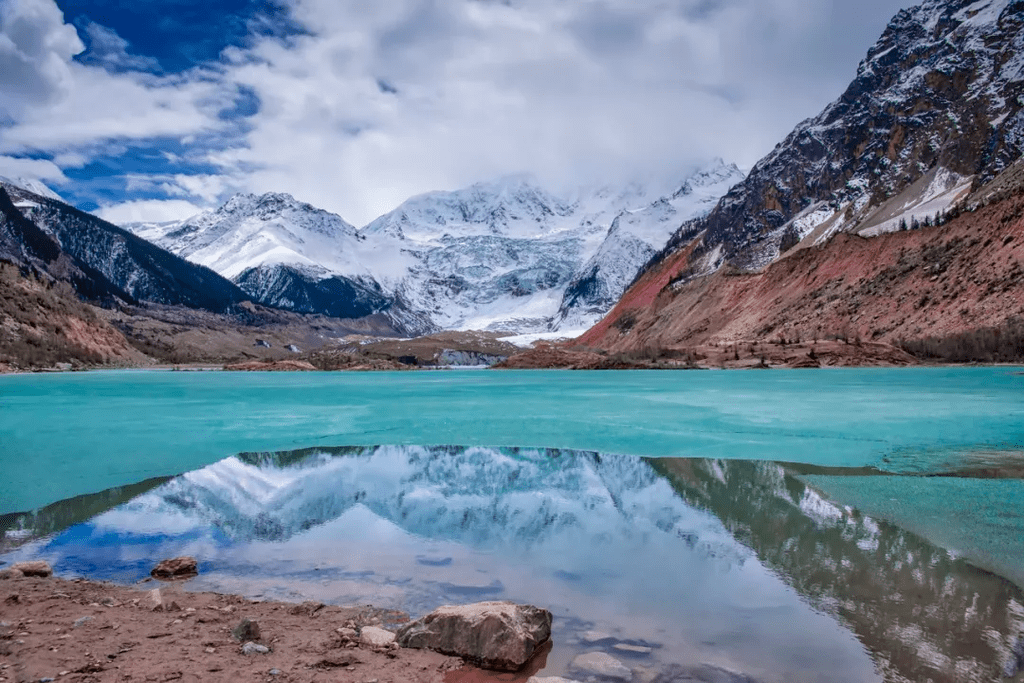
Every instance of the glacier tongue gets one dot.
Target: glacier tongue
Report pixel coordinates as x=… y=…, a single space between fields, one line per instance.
x=501 y=255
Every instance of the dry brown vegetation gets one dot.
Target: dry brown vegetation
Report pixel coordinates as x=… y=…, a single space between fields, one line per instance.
x=43 y=323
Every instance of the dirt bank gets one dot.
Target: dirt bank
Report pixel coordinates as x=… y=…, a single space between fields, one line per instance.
x=83 y=631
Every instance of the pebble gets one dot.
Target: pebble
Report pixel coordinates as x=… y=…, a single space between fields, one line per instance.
x=633 y=649
x=246 y=630
x=255 y=649
x=82 y=621
x=274 y=672
x=595 y=636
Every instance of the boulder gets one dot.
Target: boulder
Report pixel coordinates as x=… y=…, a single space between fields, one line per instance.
x=493 y=635
x=177 y=568
x=38 y=569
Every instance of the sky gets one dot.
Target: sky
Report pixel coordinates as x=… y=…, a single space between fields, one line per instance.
x=156 y=110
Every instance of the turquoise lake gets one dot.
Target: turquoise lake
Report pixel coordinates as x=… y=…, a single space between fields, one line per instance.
x=779 y=525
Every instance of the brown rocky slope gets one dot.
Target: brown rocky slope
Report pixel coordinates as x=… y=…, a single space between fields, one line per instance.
x=954 y=291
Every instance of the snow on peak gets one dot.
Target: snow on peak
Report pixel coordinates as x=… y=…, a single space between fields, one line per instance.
x=495 y=255
x=32 y=185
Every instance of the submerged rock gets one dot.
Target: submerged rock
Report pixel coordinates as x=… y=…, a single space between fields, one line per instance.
x=493 y=635
x=38 y=569
x=602 y=664
x=176 y=568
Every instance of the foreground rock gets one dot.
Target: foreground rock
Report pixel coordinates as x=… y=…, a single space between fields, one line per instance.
x=494 y=635
x=177 y=568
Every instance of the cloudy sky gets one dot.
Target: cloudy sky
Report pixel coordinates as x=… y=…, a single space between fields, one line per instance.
x=154 y=110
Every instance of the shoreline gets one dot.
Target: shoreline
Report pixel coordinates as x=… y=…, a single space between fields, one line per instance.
x=79 y=630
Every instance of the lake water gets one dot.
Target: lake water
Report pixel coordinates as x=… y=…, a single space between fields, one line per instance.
x=887 y=546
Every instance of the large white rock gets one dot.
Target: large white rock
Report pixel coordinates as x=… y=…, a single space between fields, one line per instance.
x=376 y=637
x=602 y=664
x=493 y=635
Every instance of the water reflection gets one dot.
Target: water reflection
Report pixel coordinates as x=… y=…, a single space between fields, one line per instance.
x=726 y=565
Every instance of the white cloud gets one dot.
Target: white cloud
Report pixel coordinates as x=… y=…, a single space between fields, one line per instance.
x=39 y=169
x=148 y=211
x=384 y=100
x=110 y=50
x=35 y=48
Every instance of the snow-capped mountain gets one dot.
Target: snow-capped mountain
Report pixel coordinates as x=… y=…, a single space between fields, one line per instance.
x=291 y=255
x=32 y=185
x=632 y=240
x=102 y=261
x=935 y=108
x=499 y=255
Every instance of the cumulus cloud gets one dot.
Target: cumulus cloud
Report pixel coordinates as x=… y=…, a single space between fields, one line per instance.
x=40 y=169
x=148 y=211
x=369 y=103
x=590 y=91
x=36 y=47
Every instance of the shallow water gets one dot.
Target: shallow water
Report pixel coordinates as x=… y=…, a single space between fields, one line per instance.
x=738 y=566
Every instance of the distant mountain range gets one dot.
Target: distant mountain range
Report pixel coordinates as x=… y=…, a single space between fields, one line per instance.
x=502 y=255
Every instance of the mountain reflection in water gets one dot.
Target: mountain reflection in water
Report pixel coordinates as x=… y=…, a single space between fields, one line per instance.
x=738 y=565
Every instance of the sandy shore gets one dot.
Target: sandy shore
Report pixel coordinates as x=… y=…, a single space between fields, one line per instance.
x=83 y=631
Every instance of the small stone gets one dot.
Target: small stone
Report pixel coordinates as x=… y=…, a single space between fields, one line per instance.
x=209 y=650
x=376 y=637
x=108 y=601
x=37 y=569
x=348 y=633
x=602 y=664
x=255 y=649
x=594 y=637
x=82 y=621
x=176 y=622
x=633 y=649
x=46 y=680
x=246 y=630
x=156 y=600
x=176 y=568
x=274 y=672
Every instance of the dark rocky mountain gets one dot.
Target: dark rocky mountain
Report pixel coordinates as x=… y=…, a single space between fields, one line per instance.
x=115 y=262
x=934 y=108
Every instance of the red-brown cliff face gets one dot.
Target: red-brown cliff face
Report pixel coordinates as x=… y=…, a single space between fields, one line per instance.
x=961 y=277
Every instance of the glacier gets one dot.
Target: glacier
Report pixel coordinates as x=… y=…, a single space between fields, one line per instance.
x=502 y=255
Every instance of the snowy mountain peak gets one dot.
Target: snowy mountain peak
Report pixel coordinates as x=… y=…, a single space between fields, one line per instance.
x=711 y=178
x=511 y=206
x=496 y=255
x=31 y=185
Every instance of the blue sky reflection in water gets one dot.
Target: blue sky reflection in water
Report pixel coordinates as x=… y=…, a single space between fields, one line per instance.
x=730 y=563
